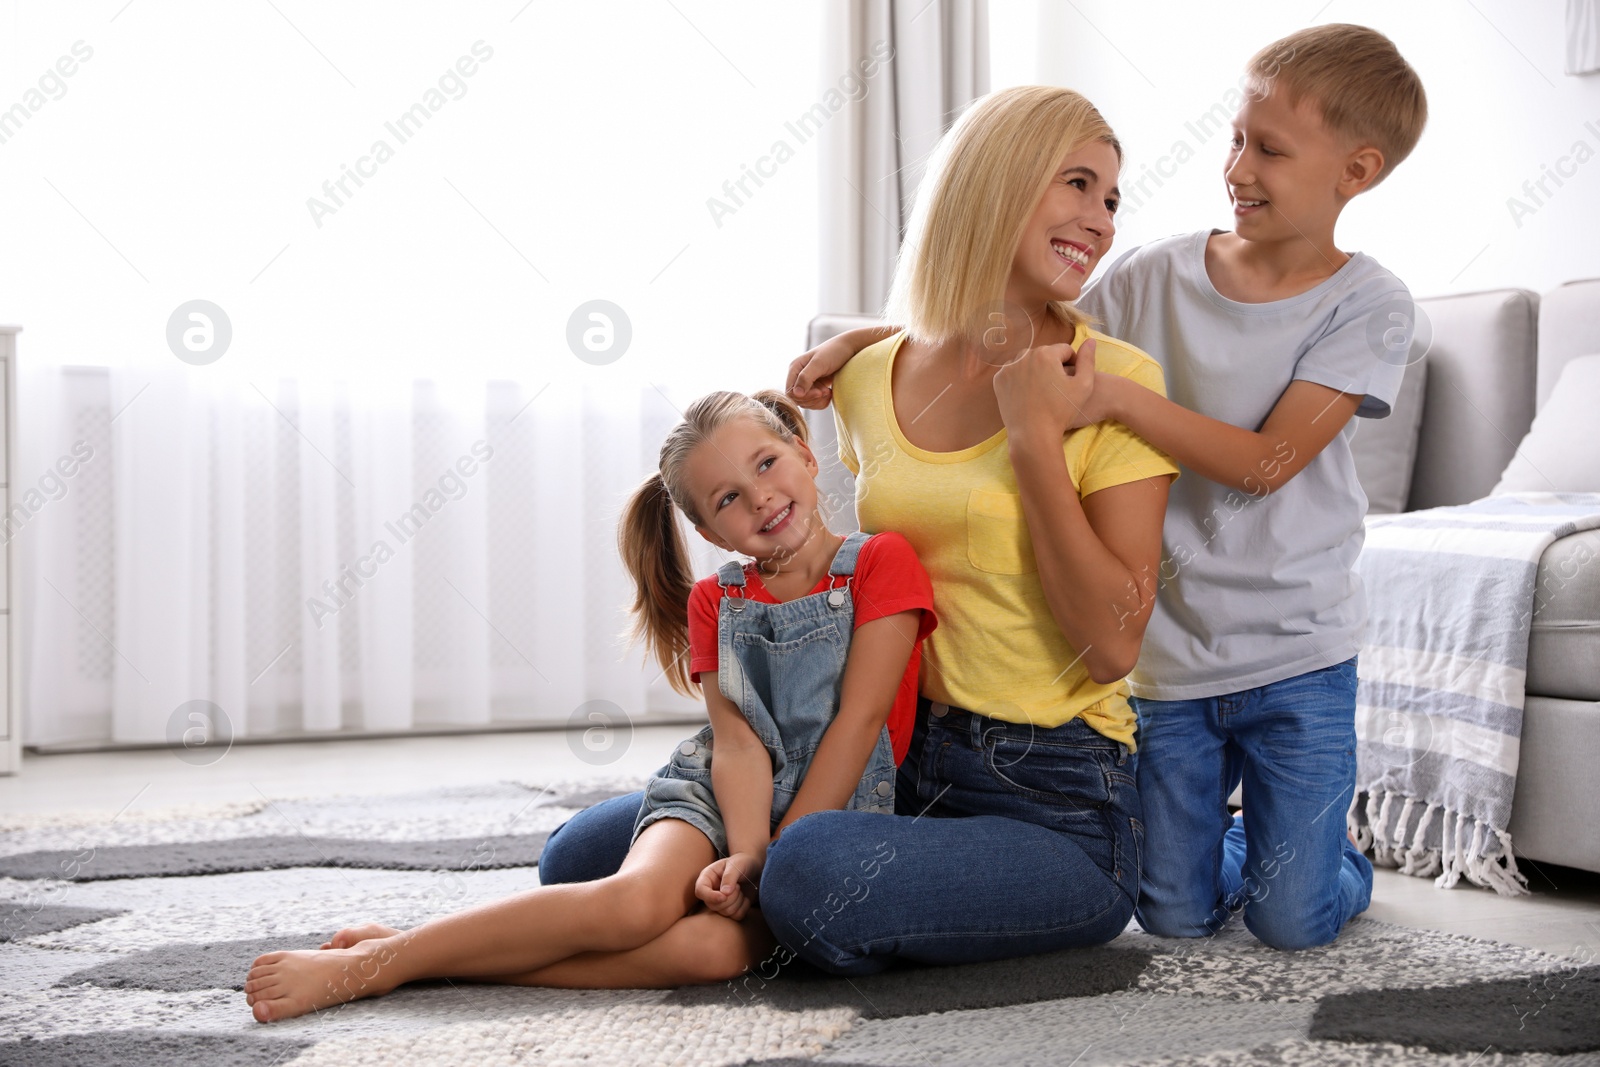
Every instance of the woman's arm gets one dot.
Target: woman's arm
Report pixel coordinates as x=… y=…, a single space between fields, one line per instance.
x=1098 y=555
x=811 y=375
x=879 y=651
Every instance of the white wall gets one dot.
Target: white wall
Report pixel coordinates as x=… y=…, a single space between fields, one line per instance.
x=1502 y=114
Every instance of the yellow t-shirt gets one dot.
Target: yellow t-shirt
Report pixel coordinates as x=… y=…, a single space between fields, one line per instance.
x=998 y=650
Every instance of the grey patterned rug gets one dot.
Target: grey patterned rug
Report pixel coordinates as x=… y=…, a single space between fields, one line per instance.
x=126 y=943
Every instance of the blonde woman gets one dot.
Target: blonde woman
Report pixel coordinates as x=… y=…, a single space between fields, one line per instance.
x=1017 y=824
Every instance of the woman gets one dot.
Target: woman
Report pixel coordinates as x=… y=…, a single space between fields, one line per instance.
x=1017 y=823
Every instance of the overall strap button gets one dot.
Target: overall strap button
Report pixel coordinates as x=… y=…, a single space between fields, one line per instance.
x=687 y=748
x=883 y=789
x=836 y=599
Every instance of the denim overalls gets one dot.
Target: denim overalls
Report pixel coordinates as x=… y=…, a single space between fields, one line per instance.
x=783 y=665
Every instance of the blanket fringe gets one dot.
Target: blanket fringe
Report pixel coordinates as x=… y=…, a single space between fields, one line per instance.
x=1450 y=842
x=1504 y=878
x=1382 y=849
x=1422 y=862
x=1360 y=828
x=1401 y=854
x=1467 y=847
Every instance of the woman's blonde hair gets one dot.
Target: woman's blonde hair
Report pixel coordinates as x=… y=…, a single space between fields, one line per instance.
x=984 y=180
x=649 y=540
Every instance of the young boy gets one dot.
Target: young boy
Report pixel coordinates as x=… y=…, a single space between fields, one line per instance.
x=1271 y=339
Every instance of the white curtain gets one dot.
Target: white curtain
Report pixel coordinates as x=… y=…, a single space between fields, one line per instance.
x=328 y=559
x=1583 y=36
x=873 y=154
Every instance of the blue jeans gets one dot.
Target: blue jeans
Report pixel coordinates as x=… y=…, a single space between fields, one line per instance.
x=1007 y=840
x=1288 y=860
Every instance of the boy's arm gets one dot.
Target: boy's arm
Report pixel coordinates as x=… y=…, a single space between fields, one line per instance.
x=741 y=776
x=879 y=652
x=1300 y=425
x=810 y=380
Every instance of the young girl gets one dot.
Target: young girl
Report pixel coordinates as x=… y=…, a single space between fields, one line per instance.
x=797 y=726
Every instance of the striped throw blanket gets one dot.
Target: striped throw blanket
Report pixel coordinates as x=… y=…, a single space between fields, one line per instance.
x=1450 y=594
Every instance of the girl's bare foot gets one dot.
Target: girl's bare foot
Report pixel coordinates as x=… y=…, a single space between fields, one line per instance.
x=281 y=985
x=350 y=935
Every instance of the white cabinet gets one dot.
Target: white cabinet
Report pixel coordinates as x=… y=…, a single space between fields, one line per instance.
x=10 y=660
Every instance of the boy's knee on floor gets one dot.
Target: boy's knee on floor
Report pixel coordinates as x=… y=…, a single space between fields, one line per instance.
x=1177 y=913
x=1290 y=930
x=1180 y=920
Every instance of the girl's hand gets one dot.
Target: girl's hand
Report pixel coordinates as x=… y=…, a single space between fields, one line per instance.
x=731 y=886
x=810 y=381
x=1050 y=390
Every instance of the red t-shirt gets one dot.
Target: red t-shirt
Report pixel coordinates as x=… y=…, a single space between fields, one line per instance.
x=889 y=578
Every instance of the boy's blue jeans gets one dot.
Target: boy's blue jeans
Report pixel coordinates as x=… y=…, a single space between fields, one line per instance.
x=1288 y=860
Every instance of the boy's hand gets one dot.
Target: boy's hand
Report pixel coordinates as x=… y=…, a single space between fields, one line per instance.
x=810 y=381
x=731 y=886
x=1050 y=389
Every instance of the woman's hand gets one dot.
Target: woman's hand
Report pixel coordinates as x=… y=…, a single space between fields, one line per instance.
x=731 y=886
x=1050 y=390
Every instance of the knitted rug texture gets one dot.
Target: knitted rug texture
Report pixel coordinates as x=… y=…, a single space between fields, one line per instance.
x=125 y=942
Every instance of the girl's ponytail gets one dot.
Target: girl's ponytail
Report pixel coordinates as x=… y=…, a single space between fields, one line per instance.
x=653 y=550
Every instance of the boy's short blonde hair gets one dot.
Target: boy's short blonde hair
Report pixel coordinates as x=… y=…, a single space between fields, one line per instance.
x=1364 y=87
x=983 y=182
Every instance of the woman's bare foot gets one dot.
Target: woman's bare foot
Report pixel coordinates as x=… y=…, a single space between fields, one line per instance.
x=281 y=985
x=351 y=935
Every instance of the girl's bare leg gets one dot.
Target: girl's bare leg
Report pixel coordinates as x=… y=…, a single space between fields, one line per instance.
x=523 y=933
x=702 y=947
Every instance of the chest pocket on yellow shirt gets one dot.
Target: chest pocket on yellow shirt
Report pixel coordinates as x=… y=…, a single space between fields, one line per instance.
x=997 y=533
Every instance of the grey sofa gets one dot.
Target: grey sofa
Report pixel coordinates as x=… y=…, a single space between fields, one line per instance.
x=1488 y=362
x=1493 y=363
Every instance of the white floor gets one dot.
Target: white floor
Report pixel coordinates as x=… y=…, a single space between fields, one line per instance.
x=1561 y=917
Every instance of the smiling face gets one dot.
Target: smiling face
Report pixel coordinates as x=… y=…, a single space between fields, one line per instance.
x=1070 y=230
x=1287 y=174
x=754 y=492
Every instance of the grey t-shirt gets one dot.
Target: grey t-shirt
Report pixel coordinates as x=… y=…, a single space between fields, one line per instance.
x=1255 y=589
